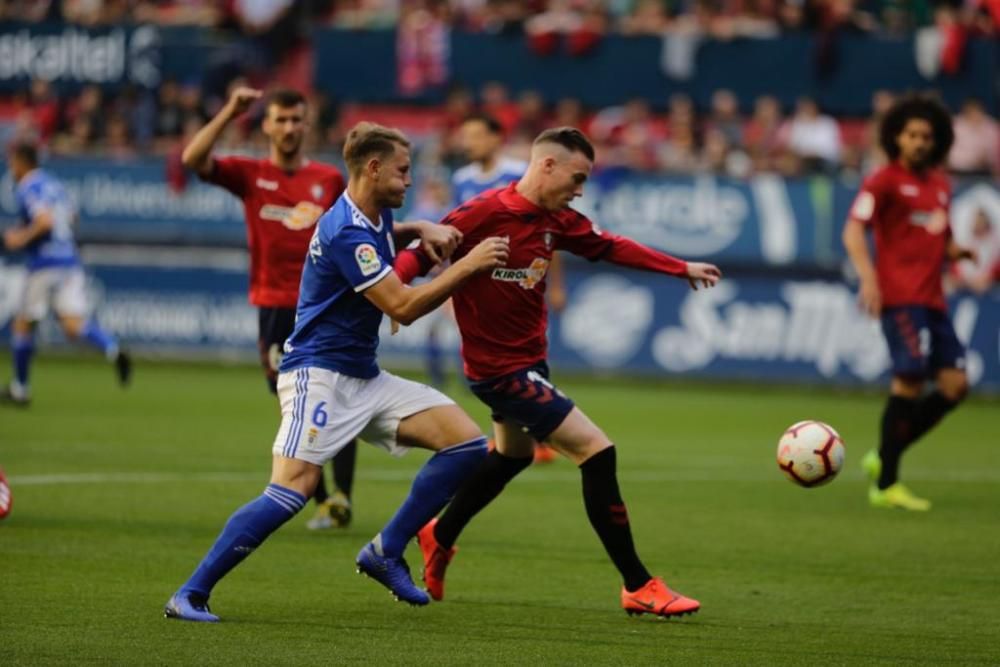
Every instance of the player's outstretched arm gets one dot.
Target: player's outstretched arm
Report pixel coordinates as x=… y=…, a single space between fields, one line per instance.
x=406 y=304
x=856 y=245
x=626 y=252
x=197 y=155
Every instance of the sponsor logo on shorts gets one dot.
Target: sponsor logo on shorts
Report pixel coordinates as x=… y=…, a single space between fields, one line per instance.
x=367 y=258
x=526 y=278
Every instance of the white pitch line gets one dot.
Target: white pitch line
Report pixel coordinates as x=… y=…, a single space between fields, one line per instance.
x=533 y=476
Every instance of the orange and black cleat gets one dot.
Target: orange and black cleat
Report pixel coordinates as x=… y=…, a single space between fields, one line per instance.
x=657 y=598
x=544 y=453
x=436 y=559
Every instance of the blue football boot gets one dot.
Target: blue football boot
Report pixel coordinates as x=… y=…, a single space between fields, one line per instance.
x=188 y=606
x=393 y=573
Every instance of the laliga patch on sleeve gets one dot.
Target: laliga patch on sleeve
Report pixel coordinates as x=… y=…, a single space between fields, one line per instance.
x=864 y=206
x=367 y=258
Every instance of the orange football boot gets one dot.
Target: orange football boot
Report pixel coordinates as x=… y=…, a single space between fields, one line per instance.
x=657 y=598
x=545 y=454
x=436 y=559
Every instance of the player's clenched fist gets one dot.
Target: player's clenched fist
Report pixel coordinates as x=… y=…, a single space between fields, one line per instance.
x=489 y=254
x=703 y=274
x=439 y=241
x=241 y=99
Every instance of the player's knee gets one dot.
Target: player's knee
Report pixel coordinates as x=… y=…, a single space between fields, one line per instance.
x=955 y=389
x=295 y=474
x=907 y=385
x=585 y=444
x=22 y=326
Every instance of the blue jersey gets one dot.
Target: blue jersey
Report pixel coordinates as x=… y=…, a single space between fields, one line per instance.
x=471 y=181
x=336 y=327
x=40 y=192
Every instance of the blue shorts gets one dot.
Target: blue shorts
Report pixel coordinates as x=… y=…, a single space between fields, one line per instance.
x=921 y=341
x=526 y=398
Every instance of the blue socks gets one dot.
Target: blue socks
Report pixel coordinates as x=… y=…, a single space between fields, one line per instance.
x=99 y=338
x=246 y=529
x=24 y=348
x=432 y=489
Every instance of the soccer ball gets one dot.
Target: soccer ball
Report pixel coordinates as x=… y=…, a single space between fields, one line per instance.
x=810 y=453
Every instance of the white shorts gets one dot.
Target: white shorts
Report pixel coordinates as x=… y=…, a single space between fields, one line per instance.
x=62 y=287
x=322 y=411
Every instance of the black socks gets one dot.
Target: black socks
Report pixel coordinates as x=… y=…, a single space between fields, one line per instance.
x=477 y=492
x=607 y=514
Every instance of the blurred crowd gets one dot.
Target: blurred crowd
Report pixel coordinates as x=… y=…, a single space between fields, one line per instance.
x=678 y=138
x=586 y=20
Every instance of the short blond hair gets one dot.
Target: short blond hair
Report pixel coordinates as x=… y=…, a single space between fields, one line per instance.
x=367 y=140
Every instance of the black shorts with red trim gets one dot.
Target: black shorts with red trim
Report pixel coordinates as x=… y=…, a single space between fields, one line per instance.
x=526 y=398
x=921 y=341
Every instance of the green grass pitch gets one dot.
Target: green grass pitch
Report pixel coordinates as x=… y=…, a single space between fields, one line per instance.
x=118 y=494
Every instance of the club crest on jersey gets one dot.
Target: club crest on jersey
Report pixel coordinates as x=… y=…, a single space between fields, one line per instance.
x=316 y=191
x=367 y=258
x=526 y=278
x=548 y=240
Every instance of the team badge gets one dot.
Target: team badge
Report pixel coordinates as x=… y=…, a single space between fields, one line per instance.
x=864 y=206
x=311 y=436
x=548 y=240
x=317 y=191
x=367 y=259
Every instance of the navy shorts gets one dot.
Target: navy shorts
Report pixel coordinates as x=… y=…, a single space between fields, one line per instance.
x=526 y=398
x=921 y=341
x=274 y=325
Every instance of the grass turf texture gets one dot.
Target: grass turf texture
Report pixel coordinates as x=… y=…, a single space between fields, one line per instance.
x=785 y=575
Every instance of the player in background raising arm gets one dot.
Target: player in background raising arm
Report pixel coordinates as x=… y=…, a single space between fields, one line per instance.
x=283 y=196
x=331 y=388
x=906 y=204
x=502 y=318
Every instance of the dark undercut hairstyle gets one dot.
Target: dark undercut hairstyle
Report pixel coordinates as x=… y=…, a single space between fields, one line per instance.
x=922 y=107
x=569 y=138
x=368 y=140
x=24 y=150
x=284 y=98
x=491 y=123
